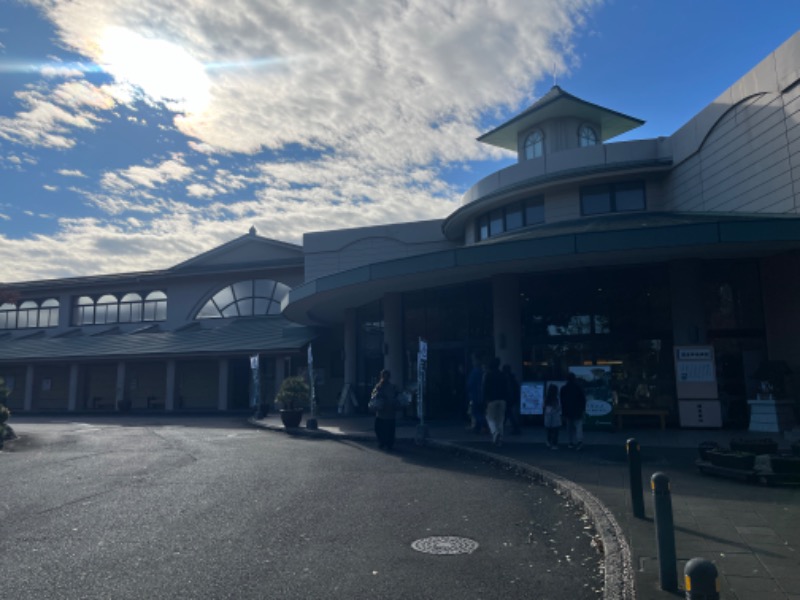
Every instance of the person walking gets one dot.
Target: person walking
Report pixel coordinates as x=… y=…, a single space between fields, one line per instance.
x=552 y=416
x=385 y=403
x=495 y=395
x=573 y=407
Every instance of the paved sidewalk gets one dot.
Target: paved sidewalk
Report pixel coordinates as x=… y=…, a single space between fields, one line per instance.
x=750 y=531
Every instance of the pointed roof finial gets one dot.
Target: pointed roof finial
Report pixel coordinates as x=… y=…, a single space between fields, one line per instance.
x=253 y=230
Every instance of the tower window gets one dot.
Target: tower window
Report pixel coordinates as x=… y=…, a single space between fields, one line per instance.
x=534 y=145
x=587 y=136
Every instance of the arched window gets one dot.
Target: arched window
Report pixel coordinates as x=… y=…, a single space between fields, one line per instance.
x=155 y=306
x=48 y=313
x=250 y=298
x=587 y=136
x=534 y=145
x=84 y=311
x=8 y=316
x=28 y=314
x=130 y=308
x=106 y=310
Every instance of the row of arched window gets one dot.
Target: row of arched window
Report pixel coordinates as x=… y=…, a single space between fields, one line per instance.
x=129 y=308
x=253 y=297
x=533 y=147
x=29 y=314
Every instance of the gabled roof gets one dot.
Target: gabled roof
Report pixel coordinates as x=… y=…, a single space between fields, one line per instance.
x=557 y=104
x=249 y=248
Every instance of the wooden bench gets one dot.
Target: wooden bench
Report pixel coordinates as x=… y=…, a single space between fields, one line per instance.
x=661 y=413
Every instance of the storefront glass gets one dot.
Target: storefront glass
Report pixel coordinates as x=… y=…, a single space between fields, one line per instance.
x=619 y=318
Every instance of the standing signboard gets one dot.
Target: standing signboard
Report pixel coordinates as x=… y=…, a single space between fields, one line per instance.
x=531 y=398
x=696 y=387
x=596 y=383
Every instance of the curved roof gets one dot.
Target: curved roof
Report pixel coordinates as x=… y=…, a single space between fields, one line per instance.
x=559 y=104
x=618 y=239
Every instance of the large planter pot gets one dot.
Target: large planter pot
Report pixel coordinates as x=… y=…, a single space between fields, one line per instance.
x=291 y=417
x=742 y=461
x=763 y=446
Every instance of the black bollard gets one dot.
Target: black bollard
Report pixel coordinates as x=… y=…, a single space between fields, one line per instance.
x=665 y=532
x=635 y=469
x=701 y=581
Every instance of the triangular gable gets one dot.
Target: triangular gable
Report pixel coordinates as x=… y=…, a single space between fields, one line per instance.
x=250 y=249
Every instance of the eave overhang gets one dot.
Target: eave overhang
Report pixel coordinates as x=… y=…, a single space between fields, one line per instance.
x=637 y=238
x=558 y=104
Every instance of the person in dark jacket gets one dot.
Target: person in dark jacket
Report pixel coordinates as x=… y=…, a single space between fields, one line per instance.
x=385 y=403
x=495 y=395
x=573 y=407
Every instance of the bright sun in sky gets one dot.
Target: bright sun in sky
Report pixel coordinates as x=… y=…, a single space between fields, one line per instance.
x=163 y=71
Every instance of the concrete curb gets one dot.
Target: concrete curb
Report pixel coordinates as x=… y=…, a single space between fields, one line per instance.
x=618 y=581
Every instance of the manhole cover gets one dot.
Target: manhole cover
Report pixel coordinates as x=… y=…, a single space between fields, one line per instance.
x=447 y=544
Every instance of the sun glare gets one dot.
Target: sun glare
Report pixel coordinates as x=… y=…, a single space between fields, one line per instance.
x=162 y=70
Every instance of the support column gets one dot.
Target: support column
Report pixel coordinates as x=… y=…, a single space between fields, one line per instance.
x=223 y=384
x=507 y=322
x=350 y=348
x=688 y=316
x=119 y=392
x=280 y=373
x=28 y=402
x=169 y=393
x=72 y=402
x=393 y=337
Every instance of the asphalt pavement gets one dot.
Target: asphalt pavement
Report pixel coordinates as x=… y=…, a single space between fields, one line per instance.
x=750 y=531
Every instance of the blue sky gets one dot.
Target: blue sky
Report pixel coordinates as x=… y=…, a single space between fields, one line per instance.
x=136 y=135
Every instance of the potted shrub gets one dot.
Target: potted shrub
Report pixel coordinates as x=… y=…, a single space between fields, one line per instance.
x=293 y=395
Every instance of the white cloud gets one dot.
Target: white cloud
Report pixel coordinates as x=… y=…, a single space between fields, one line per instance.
x=199 y=190
x=380 y=95
x=51 y=188
x=71 y=173
x=173 y=169
x=53 y=115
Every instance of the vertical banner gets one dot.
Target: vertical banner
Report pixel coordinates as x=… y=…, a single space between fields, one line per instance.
x=255 y=382
x=422 y=365
x=311 y=381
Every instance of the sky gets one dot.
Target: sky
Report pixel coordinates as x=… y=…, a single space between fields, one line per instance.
x=135 y=135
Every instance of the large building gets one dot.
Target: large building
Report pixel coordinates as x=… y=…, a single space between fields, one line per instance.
x=632 y=259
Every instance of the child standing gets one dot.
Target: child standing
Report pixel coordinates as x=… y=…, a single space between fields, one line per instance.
x=552 y=416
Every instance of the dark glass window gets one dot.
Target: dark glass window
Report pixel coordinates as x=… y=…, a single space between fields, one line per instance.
x=629 y=196
x=496 y=226
x=596 y=200
x=623 y=196
x=519 y=214
x=534 y=211
x=514 y=217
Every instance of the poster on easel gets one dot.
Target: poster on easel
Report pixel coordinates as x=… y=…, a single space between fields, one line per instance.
x=596 y=383
x=531 y=398
x=695 y=372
